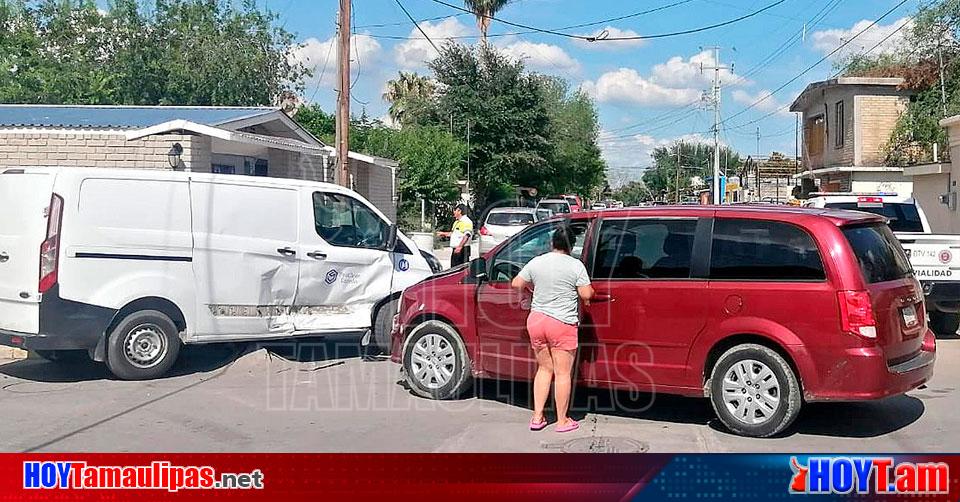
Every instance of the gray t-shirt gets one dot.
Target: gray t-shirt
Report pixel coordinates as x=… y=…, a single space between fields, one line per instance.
x=555 y=278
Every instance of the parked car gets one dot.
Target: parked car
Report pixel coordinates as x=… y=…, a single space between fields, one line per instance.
x=543 y=214
x=504 y=222
x=702 y=301
x=134 y=263
x=935 y=257
x=576 y=203
x=598 y=205
x=558 y=206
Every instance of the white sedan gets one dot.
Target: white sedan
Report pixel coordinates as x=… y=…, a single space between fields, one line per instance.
x=504 y=222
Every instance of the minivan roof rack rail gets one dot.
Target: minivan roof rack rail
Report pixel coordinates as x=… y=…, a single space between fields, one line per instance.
x=853 y=194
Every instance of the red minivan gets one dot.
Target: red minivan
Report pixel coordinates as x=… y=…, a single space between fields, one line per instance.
x=758 y=309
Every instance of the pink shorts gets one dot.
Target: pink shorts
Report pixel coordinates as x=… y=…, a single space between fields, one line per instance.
x=546 y=331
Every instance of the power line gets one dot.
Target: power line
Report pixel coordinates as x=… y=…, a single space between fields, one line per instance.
x=406 y=23
x=415 y=23
x=611 y=39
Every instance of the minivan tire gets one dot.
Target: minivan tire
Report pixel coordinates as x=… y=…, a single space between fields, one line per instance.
x=441 y=337
x=143 y=345
x=944 y=324
x=788 y=390
x=383 y=326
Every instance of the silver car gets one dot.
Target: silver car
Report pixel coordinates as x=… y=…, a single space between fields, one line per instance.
x=503 y=222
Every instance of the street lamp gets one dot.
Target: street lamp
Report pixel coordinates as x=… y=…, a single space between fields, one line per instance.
x=173 y=156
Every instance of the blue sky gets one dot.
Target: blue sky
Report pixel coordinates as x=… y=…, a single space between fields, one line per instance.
x=645 y=91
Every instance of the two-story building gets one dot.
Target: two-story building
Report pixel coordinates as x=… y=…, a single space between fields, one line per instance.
x=847 y=122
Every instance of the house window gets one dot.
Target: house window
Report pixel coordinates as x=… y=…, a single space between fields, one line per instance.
x=223 y=169
x=839 y=129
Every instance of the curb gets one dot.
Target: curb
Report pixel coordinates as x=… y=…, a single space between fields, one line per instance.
x=12 y=353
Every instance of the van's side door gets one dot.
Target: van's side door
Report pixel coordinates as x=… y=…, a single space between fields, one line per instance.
x=344 y=269
x=245 y=257
x=649 y=304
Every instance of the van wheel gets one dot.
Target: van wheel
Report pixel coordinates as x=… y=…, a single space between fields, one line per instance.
x=383 y=324
x=63 y=356
x=944 y=323
x=143 y=345
x=754 y=391
x=436 y=363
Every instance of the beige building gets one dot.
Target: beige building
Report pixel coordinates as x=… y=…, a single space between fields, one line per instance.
x=251 y=141
x=846 y=124
x=935 y=186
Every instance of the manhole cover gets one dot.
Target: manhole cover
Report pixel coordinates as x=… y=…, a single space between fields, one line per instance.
x=601 y=444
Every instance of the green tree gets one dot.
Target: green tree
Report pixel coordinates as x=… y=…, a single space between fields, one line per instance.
x=633 y=193
x=576 y=163
x=406 y=92
x=186 y=52
x=696 y=159
x=485 y=10
x=506 y=112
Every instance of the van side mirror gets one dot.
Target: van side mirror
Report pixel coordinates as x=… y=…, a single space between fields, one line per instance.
x=478 y=269
x=391 y=241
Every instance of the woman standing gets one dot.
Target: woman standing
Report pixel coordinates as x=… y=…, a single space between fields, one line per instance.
x=559 y=282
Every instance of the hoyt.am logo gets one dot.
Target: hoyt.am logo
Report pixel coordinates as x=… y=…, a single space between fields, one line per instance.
x=877 y=475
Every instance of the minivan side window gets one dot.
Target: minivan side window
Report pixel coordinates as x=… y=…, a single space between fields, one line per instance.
x=342 y=220
x=529 y=244
x=763 y=250
x=645 y=249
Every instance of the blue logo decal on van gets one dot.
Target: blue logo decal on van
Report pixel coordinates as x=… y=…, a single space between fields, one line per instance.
x=331 y=277
x=403 y=265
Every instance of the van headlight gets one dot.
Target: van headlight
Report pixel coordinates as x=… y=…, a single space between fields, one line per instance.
x=435 y=265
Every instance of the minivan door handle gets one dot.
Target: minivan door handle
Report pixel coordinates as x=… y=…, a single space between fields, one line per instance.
x=286 y=251
x=600 y=298
x=317 y=255
x=4 y=257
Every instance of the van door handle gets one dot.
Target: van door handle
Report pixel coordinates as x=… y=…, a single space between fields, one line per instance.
x=286 y=251
x=600 y=298
x=4 y=257
x=317 y=255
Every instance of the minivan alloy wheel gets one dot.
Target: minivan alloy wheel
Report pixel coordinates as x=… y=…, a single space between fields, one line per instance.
x=433 y=361
x=751 y=392
x=145 y=345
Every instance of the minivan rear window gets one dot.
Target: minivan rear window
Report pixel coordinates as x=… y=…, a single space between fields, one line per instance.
x=903 y=217
x=879 y=253
x=510 y=219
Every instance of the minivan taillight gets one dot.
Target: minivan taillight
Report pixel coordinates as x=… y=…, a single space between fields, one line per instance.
x=50 y=248
x=856 y=314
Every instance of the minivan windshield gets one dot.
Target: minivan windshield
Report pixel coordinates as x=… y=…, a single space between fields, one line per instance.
x=879 y=253
x=510 y=219
x=903 y=216
x=556 y=207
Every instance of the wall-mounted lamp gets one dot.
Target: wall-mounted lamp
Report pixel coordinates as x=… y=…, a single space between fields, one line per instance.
x=173 y=156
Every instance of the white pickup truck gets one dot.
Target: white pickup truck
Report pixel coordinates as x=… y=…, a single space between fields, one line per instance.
x=935 y=257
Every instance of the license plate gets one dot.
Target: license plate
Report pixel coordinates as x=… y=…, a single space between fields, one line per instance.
x=909 y=314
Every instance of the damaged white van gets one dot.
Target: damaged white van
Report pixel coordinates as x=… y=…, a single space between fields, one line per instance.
x=128 y=264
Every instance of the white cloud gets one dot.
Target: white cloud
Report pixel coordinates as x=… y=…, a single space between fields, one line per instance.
x=321 y=56
x=626 y=86
x=628 y=157
x=768 y=104
x=543 y=57
x=607 y=45
x=416 y=53
x=826 y=41
x=692 y=72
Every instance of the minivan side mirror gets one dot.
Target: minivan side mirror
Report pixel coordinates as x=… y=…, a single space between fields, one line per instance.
x=478 y=269
x=391 y=242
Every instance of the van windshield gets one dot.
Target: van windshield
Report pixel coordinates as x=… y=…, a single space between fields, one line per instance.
x=903 y=217
x=556 y=207
x=879 y=253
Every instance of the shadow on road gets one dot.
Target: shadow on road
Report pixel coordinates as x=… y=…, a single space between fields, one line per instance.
x=849 y=420
x=193 y=359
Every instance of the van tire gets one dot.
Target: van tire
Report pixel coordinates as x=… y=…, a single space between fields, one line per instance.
x=449 y=344
x=788 y=390
x=383 y=325
x=141 y=334
x=944 y=324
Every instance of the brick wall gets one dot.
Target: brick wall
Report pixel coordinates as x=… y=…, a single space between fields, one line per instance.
x=101 y=150
x=375 y=183
x=876 y=118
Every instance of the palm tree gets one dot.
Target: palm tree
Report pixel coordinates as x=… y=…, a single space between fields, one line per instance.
x=485 y=10
x=404 y=91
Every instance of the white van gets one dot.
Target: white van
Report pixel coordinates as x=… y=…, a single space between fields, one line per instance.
x=128 y=264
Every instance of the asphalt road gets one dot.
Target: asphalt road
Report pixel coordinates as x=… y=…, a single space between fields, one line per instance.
x=320 y=396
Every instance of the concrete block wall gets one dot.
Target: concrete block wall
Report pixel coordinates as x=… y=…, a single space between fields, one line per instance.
x=286 y=164
x=24 y=149
x=876 y=118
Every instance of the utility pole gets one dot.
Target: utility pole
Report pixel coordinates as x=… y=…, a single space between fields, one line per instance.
x=717 y=190
x=468 y=163
x=679 y=149
x=343 y=96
